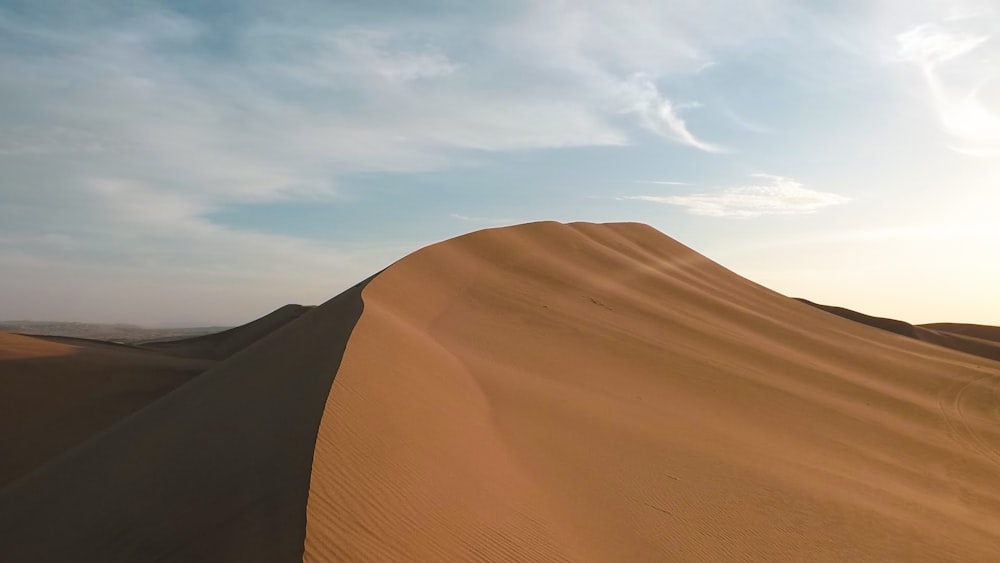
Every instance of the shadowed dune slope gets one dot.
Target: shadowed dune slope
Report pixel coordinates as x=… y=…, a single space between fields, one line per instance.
x=602 y=393
x=962 y=337
x=221 y=345
x=901 y=328
x=983 y=332
x=57 y=392
x=217 y=470
x=968 y=344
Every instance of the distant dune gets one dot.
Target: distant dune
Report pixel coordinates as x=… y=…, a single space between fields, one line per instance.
x=545 y=392
x=68 y=389
x=59 y=392
x=991 y=333
x=120 y=333
x=221 y=345
x=978 y=340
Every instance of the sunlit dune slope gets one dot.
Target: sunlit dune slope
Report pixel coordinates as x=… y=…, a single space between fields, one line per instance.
x=602 y=393
x=57 y=392
x=221 y=345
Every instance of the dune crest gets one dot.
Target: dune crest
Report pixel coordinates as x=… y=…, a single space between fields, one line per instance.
x=222 y=345
x=600 y=392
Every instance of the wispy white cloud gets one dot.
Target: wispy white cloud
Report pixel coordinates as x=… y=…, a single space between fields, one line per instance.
x=930 y=45
x=773 y=195
x=131 y=129
x=660 y=115
x=960 y=71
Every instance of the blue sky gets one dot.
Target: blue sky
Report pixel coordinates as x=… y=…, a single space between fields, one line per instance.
x=196 y=162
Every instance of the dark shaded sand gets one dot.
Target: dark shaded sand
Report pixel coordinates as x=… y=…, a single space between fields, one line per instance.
x=57 y=392
x=67 y=389
x=982 y=332
x=216 y=471
x=221 y=345
x=978 y=340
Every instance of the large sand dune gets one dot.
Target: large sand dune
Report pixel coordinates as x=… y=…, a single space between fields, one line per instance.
x=543 y=392
x=603 y=393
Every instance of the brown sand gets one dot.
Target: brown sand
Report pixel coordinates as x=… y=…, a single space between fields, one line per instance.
x=541 y=392
x=60 y=391
x=982 y=332
x=602 y=393
x=978 y=340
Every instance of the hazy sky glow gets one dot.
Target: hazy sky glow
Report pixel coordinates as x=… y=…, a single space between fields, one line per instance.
x=193 y=162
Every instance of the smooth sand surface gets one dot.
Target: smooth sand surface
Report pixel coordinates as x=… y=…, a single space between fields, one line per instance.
x=57 y=392
x=221 y=345
x=983 y=332
x=602 y=393
x=63 y=390
x=978 y=340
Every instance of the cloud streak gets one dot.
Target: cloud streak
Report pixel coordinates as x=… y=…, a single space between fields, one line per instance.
x=660 y=115
x=773 y=195
x=959 y=69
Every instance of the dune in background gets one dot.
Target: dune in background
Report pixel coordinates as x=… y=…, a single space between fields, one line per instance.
x=106 y=332
x=221 y=345
x=978 y=340
x=982 y=332
x=63 y=390
x=541 y=392
x=57 y=392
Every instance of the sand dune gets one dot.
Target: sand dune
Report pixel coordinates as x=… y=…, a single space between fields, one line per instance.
x=221 y=345
x=602 y=393
x=218 y=470
x=978 y=340
x=60 y=391
x=982 y=332
x=69 y=388
x=543 y=392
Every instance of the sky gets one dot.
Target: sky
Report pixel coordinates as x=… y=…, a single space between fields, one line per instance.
x=193 y=162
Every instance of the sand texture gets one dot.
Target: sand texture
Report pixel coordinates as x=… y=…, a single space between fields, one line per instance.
x=602 y=393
